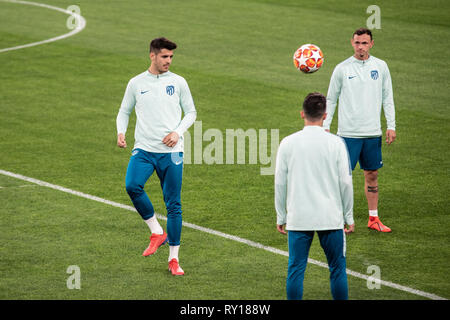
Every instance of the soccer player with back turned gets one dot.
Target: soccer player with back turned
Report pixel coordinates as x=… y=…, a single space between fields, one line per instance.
x=159 y=98
x=363 y=85
x=314 y=193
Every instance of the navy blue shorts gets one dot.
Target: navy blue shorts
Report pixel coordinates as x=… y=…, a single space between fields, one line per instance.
x=365 y=150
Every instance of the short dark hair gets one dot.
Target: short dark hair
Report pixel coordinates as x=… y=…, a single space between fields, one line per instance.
x=361 y=31
x=156 y=45
x=314 y=106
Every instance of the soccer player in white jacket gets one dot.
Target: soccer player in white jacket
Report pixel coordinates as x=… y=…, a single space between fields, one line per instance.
x=362 y=84
x=159 y=98
x=314 y=193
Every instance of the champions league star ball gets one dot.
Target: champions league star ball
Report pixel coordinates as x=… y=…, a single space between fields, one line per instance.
x=308 y=58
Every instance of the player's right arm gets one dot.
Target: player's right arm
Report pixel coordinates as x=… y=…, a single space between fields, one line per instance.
x=346 y=186
x=334 y=90
x=121 y=143
x=126 y=107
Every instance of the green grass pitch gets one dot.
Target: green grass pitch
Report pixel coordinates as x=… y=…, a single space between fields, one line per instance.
x=59 y=101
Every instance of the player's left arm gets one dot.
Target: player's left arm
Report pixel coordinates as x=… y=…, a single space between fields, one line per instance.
x=190 y=114
x=391 y=135
x=281 y=188
x=388 y=106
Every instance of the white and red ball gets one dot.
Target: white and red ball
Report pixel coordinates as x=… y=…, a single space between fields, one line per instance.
x=308 y=58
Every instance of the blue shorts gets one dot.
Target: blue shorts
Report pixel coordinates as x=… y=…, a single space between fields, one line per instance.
x=365 y=150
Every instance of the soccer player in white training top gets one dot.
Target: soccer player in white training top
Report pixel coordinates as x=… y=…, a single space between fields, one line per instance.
x=363 y=85
x=314 y=194
x=159 y=98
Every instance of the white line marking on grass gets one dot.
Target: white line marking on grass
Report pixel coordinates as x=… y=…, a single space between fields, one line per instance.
x=80 y=26
x=217 y=233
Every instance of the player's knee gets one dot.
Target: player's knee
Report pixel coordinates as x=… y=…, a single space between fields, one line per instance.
x=173 y=205
x=133 y=189
x=174 y=211
x=371 y=176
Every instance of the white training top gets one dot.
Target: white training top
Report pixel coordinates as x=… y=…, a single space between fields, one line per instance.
x=362 y=87
x=313 y=181
x=159 y=101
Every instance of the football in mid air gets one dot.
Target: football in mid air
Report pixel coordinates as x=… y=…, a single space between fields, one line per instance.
x=308 y=58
